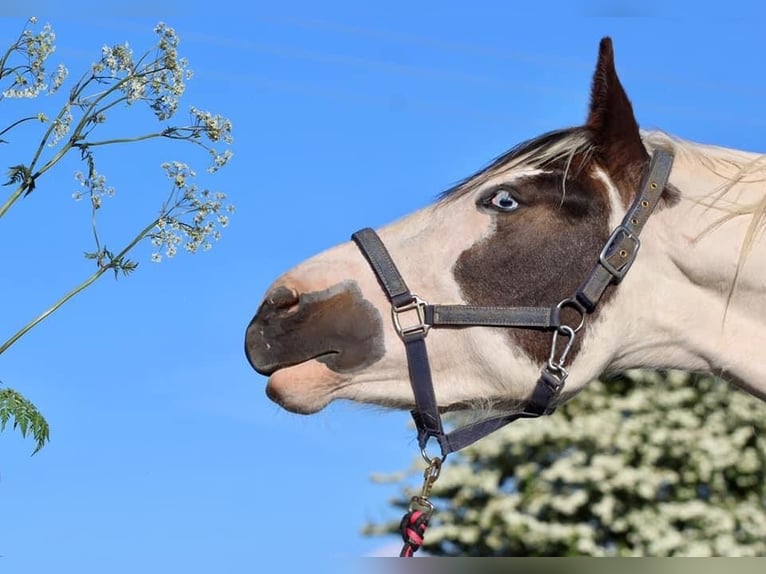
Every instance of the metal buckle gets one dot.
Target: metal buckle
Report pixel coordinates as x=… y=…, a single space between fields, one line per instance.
x=421 y=327
x=629 y=254
x=553 y=377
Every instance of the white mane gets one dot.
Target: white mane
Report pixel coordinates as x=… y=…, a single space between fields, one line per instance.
x=737 y=187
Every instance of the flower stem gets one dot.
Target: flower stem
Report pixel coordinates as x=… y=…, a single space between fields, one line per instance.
x=81 y=287
x=16 y=123
x=11 y=200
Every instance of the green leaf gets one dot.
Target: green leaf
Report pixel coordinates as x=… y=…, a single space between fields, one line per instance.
x=21 y=175
x=18 y=174
x=26 y=418
x=127 y=266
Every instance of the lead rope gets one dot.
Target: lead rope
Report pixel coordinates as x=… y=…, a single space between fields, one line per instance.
x=415 y=522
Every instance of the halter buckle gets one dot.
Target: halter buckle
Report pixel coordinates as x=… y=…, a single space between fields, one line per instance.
x=625 y=243
x=417 y=305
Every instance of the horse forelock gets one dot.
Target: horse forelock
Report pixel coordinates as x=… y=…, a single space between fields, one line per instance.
x=557 y=148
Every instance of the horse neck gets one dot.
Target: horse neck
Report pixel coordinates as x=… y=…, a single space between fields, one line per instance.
x=696 y=298
x=713 y=235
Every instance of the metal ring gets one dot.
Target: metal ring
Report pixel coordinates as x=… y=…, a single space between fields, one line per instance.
x=570 y=304
x=428 y=459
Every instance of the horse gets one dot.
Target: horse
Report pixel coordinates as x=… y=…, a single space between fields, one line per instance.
x=528 y=260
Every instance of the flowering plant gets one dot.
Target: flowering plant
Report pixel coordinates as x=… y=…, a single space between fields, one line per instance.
x=188 y=215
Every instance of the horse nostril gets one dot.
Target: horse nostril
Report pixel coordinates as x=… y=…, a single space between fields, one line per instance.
x=282 y=298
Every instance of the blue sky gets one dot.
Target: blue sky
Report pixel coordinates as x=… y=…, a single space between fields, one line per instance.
x=165 y=453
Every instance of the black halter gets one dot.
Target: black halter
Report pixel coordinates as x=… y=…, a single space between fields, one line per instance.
x=613 y=263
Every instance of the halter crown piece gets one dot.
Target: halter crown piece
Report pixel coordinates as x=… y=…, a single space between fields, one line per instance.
x=614 y=261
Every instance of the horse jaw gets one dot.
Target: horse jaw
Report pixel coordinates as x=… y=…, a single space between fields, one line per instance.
x=305 y=388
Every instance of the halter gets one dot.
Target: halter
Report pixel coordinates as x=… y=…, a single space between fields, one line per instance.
x=614 y=261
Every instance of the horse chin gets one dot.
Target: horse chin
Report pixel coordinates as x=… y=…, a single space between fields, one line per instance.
x=305 y=388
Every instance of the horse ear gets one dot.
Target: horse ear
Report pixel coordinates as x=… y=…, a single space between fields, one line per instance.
x=616 y=138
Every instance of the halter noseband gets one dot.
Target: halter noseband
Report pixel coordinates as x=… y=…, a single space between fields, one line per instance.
x=613 y=263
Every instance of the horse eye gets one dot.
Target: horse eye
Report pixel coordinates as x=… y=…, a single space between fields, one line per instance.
x=502 y=200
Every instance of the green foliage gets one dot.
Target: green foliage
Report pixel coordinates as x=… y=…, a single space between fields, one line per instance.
x=647 y=464
x=21 y=175
x=107 y=259
x=25 y=416
x=184 y=215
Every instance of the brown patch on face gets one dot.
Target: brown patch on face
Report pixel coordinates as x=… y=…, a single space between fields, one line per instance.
x=337 y=326
x=539 y=253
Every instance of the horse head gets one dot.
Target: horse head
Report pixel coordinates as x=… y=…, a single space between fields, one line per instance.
x=524 y=232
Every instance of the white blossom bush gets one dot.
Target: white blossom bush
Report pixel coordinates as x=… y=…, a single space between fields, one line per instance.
x=647 y=464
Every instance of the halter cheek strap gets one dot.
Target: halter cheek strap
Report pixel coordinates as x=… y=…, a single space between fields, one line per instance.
x=621 y=248
x=403 y=301
x=613 y=263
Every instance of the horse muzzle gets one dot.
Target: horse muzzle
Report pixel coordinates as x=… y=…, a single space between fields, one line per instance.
x=312 y=336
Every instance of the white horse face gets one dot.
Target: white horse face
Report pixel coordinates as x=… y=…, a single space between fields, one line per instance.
x=523 y=232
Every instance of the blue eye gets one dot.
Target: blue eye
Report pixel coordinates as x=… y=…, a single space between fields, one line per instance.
x=502 y=200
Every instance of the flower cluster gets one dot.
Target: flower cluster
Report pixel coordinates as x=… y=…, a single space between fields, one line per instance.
x=166 y=76
x=29 y=77
x=191 y=218
x=59 y=76
x=61 y=126
x=116 y=59
x=217 y=129
x=159 y=81
x=93 y=186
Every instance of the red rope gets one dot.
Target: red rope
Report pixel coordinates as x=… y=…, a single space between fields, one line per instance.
x=413 y=528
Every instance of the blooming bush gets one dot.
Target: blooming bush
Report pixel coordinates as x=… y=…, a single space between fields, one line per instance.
x=647 y=464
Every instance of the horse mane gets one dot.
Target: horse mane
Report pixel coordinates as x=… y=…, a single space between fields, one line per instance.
x=734 y=168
